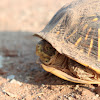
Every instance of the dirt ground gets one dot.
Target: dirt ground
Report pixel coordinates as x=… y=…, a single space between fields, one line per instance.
x=21 y=77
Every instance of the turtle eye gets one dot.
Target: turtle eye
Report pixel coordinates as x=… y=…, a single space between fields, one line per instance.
x=48 y=49
x=46 y=59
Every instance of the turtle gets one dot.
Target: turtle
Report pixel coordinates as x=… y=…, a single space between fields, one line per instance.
x=70 y=45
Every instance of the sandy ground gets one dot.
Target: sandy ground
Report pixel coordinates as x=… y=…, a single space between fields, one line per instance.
x=21 y=77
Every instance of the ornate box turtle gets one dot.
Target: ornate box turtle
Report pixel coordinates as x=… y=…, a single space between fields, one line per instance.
x=70 y=45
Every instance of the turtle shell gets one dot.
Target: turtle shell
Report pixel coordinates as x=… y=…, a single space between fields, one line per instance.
x=75 y=32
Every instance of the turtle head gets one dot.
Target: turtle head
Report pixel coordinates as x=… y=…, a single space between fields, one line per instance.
x=45 y=51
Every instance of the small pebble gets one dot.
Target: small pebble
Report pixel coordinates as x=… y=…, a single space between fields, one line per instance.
x=43 y=85
x=10 y=94
x=10 y=77
x=14 y=81
x=69 y=98
x=59 y=96
x=39 y=96
x=97 y=95
x=26 y=81
x=65 y=96
x=76 y=87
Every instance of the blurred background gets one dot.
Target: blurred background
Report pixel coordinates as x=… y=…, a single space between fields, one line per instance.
x=27 y=15
x=21 y=76
x=19 y=19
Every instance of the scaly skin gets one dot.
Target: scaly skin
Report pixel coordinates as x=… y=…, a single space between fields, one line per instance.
x=45 y=51
x=82 y=74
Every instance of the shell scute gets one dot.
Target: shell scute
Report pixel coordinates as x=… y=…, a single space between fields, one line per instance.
x=75 y=32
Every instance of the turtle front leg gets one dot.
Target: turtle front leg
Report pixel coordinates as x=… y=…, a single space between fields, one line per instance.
x=81 y=71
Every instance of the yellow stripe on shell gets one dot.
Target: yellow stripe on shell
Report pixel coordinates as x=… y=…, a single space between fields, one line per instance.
x=86 y=25
x=95 y=19
x=91 y=45
x=87 y=33
x=58 y=32
x=78 y=41
x=71 y=34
